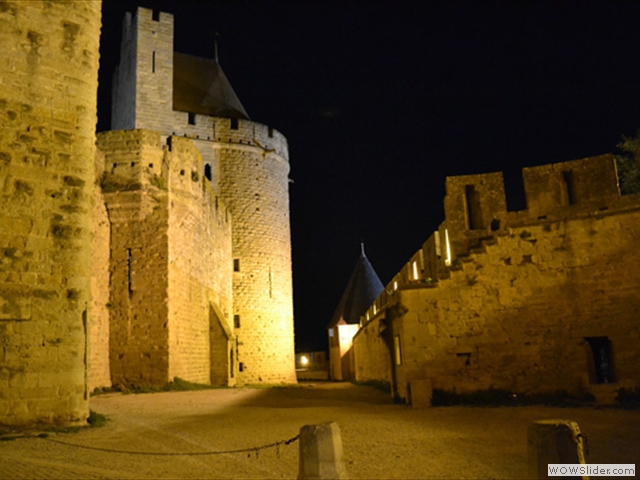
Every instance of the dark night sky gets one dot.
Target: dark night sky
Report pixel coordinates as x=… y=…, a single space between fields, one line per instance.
x=380 y=101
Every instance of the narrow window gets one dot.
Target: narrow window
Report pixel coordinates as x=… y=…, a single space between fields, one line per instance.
x=155 y=15
x=569 y=188
x=240 y=367
x=129 y=270
x=232 y=370
x=153 y=62
x=474 y=214
x=602 y=369
x=207 y=171
x=397 y=350
x=192 y=118
x=236 y=321
x=270 y=284
x=234 y=123
x=236 y=264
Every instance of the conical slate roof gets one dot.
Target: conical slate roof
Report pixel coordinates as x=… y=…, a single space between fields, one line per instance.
x=363 y=288
x=200 y=86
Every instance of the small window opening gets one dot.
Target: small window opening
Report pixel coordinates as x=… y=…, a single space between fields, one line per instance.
x=192 y=118
x=236 y=264
x=601 y=369
x=151 y=165
x=234 y=123
x=570 y=193
x=153 y=62
x=270 y=132
x=240 y=367
x=474 y=213
x=495 y=225
x=155 y=15
x=466 y=357
x=181 y=172
x=236 y=321
x=232 y=370
x=207 y=172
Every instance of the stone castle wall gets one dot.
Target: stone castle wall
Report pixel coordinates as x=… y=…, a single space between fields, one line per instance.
x=254 y=182
x=99 y=369
x=200 y=272
x=520 y=306
x=48 y=116
x=170 y=262
x=248 y=165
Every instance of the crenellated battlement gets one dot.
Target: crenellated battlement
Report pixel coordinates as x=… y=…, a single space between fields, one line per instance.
x=246 y=132
x=476 y=216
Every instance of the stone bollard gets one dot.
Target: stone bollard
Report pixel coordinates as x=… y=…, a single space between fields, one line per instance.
x=553 y=441
x=321 y=452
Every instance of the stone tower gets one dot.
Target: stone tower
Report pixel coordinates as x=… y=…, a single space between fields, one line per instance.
x=246 y=163
x=49 y=77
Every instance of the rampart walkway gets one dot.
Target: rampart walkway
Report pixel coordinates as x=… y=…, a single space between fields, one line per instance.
x=381 y=440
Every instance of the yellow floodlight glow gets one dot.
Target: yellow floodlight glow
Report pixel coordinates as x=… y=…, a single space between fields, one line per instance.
x=304 y=361
x=447 y=259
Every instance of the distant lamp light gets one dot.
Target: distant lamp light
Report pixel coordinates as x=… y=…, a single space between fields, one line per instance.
x=415 y=271
x=395 y=285
x=304 y=361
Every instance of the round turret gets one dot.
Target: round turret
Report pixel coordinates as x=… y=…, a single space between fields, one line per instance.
x=254 y=183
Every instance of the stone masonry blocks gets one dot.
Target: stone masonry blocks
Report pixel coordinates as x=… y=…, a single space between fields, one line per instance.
x=48 y=113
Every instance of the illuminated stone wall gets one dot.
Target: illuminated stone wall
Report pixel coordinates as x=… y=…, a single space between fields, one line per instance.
x=99 y=370
x=254 y=182
x=170 y=262
x=249 y=168
x=520 y=308
x=200 y=292
x=48 y=74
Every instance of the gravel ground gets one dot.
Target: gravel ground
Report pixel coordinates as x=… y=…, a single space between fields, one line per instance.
x=380 y=439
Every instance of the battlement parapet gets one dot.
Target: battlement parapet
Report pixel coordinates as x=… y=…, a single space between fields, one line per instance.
x=476 y=217
x=246 y=132
x=152 y=18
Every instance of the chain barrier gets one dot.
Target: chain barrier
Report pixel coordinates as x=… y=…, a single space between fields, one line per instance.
x=255 y=450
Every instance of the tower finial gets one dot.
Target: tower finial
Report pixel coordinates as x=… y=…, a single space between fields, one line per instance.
x=215 y=46
x=362 y=247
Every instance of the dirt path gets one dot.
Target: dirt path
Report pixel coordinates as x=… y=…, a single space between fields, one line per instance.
x=380 y=439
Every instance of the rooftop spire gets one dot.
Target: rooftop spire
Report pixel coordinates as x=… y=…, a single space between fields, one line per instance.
x=362 y=247
x=215 y=47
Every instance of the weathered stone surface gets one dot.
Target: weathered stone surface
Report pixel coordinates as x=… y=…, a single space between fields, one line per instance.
x=247 y=165
x=47 y=146
x=553 y=442
x=530 y=307
x=321 y=452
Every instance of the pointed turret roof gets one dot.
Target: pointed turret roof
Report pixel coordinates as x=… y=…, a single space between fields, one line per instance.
x=363 y=288
x=200 y=86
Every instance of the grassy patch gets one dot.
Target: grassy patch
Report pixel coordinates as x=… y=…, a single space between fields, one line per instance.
x=628 y=397
x=176 y=385
x=377 y=384
x=495 y=397
x=96 y=419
